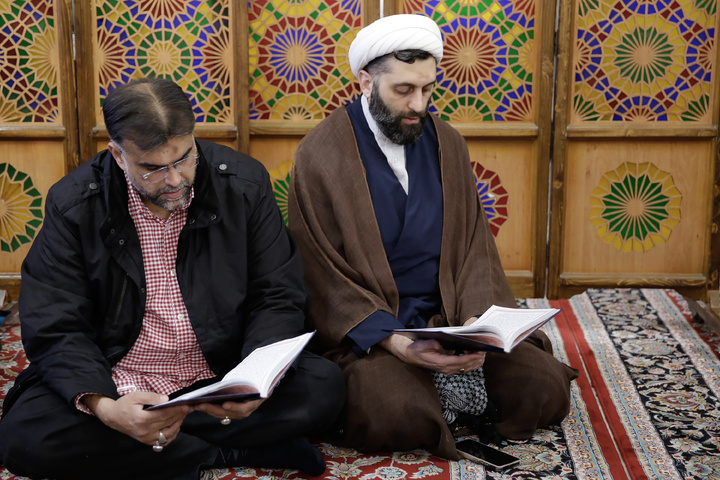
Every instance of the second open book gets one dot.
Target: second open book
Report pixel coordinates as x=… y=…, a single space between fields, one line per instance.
x=498 y=329
x=254 y=377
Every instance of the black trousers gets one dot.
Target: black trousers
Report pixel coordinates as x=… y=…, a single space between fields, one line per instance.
x=44 y=437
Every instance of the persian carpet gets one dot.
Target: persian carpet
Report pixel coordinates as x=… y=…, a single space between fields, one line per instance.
x=646 y=404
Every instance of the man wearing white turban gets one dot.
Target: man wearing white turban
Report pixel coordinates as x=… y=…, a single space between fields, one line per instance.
x=384 y=207
x=394 y=34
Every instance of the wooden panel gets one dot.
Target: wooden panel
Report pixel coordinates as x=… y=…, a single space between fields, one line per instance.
x=635 y=208
x=298 y=59
x=38 y=135
x=298 y=73
x=643 y=62
x=24 y=183
x=276 y=153
x=714 y=274
x=99 y=144
x=506 y=189
x=494 y=84
x=191 y=43
x=629 y=206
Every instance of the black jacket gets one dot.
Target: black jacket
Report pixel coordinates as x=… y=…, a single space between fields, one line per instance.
x=83 y=284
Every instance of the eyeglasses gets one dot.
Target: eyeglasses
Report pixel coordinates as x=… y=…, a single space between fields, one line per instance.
x=161 y=173
x=182 y=165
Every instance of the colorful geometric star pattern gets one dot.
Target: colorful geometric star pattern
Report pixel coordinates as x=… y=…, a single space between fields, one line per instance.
x=280 y=178
x=29 y=60
x=644 y=61
x=635 y=207
x=20 y=208
x=298 y=57
x=493 y=196
x=489 y=60
x=187 y=41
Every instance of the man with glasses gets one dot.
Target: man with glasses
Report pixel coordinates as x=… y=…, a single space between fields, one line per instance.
x=168 y=199
x=162 y=262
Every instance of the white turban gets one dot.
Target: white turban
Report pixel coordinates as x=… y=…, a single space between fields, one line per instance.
x=394 y=33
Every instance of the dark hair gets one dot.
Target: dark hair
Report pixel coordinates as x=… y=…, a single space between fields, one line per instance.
x=380 y=64
x=148 y=112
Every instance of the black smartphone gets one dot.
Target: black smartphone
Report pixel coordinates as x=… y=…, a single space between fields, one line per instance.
x=486 y=455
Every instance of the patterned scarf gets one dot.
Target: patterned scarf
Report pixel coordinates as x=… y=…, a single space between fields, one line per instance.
x=463 y=393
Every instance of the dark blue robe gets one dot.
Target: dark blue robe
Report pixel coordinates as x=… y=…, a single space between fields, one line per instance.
x=410 y=226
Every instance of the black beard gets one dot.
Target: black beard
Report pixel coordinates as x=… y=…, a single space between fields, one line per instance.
x=391 y=125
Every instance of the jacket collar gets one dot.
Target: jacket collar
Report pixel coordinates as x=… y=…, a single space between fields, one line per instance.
x=205 y=207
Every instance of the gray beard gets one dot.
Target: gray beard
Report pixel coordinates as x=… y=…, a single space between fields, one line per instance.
x=156 y=199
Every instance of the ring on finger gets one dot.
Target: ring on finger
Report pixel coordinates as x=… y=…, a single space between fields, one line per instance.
x=162 y=440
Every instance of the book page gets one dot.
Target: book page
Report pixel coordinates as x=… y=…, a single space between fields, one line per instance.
x=509 y=322
x=264 y=364
x=503 y=323
x=254 y=369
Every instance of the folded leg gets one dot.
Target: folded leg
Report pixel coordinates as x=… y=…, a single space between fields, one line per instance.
x=44 y=437
x=393 y=406
x=529 y=386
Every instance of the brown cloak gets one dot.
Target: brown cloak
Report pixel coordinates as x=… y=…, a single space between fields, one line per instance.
x=391 y=405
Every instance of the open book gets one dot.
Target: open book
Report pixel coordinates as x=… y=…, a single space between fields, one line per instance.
x=498 y=329
x=254 y=377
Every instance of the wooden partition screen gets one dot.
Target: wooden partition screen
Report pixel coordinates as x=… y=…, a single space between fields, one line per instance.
x=635 y=147
x=263 y=73
x=633 y=88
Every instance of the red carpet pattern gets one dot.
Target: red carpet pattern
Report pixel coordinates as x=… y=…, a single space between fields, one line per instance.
x=646 y=404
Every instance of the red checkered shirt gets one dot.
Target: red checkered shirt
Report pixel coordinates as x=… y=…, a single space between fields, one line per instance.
x=166 y=356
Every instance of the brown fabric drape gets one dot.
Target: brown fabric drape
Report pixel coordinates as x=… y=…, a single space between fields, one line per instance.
x=331 y=216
